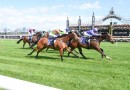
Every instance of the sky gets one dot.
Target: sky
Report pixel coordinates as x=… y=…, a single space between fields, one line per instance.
x=52 y=14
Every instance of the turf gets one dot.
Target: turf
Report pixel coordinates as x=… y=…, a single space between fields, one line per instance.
x=72 y=73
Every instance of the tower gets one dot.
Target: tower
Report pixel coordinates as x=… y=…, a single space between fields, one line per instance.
x=79 y=24
x=93 y=20
x=67 y=23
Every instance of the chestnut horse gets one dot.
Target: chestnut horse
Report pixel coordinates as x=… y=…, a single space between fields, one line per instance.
x=25 y=39
x=93 y=44
x=60 y=44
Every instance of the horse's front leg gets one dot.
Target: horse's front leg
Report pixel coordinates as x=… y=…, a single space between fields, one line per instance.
x=80 y=51
x=102 y=53
x=61 y=53
x=47 y=49
x=70 y=51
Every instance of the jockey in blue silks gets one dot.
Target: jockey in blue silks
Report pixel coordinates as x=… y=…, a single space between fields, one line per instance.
x=92 y=32
x=89 y=33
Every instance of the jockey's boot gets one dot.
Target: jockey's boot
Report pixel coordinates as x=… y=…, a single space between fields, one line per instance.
x=53 y=46
x=88 y=43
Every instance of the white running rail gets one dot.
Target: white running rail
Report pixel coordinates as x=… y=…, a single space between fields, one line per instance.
x=9 y=83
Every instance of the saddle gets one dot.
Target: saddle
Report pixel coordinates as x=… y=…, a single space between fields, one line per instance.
x=51 y=41
x=84 y=40
x=30 y=38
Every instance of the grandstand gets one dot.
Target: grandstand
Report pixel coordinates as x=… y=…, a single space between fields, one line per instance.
x=120 y=32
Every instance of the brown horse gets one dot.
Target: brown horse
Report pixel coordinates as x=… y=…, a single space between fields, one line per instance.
x=59 y=44
x=25 y=39
x=93 y=44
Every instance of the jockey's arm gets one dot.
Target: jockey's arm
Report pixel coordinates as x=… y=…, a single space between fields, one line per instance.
x=52 y=35
x=95 y=34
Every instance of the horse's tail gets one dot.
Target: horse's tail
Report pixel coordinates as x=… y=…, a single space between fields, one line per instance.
x=19 y=40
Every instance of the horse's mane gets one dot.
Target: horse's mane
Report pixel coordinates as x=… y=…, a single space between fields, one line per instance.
x=39 y=34
x=63 y=35
x=103 y=33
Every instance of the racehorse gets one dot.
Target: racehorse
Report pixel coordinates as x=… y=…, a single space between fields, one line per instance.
x=59 y=44
x=25 y=39
x=93 y=44
x=44 y=34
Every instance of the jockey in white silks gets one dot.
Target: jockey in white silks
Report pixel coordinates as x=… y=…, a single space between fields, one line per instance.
x=53 y=34
x=31 y=33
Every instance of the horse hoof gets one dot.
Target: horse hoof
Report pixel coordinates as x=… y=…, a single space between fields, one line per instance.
x=108 y=57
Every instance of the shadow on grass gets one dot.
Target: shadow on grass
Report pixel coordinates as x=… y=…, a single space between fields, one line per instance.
x=79 y=57
x=24 y=48
x=43 y=57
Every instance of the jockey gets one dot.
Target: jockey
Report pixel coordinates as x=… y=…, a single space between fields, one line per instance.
x=55 y=33
x=31 y=33
x=90 y=33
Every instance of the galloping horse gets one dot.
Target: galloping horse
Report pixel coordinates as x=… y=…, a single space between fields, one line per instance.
x=59 y=44
x=25 y=39
x=94 y=44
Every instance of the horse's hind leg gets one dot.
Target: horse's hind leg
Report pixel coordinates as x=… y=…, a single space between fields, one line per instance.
x=19 y=41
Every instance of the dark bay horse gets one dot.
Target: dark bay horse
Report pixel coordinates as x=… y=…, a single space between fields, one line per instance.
x=94 y=44
x=25 y=39
x=59 y=44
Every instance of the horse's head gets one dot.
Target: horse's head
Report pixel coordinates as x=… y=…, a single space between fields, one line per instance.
x=39 y=34
x=46 y=34
x=108 y=37
x=75 y=35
